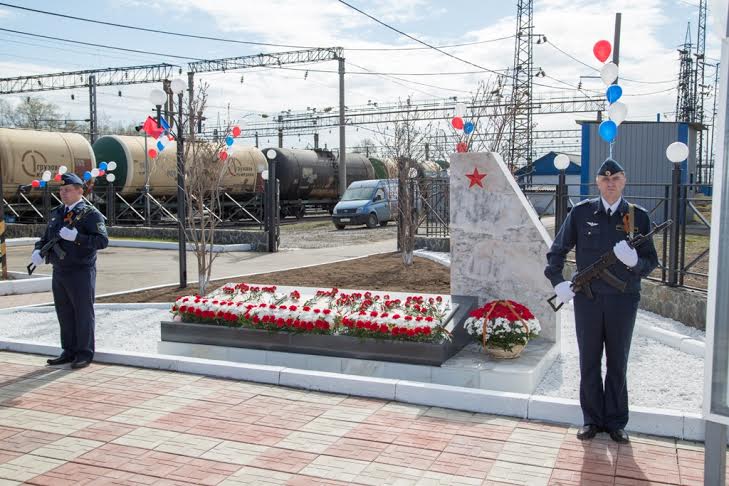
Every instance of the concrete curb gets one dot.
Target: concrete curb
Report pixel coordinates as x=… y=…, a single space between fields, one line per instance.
x=152 y=245
x=173 y=245
x=675 y=340
x=668 y=423
x=22 y=283
x=20 y=241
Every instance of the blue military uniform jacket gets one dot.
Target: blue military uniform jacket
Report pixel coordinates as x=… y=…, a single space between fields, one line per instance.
x=589 y=230
x=92 y=236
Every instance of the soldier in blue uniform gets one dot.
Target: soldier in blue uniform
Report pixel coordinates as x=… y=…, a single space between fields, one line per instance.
x=82 y=232
x=594 y=227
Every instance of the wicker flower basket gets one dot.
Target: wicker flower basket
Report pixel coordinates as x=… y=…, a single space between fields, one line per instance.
x=500 y=353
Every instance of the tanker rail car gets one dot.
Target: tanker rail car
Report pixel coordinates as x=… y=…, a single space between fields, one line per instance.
x=308 y=179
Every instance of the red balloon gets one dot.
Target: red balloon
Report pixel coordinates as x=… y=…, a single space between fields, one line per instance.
x=35 y=183
x=462 y=147
x=602 y=50
x=223 y=155
x=236 y=131
x=101 y=172
x=457 y=122
x=57 y=177
x=152 y=153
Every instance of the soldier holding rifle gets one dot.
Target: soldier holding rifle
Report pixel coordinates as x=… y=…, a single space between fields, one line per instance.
x=606 y=308
x=75 y=232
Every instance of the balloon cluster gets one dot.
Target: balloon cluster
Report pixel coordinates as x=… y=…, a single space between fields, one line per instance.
x=617 y=111
x=104 y=168
x=467 y=127
x=159 y=132
x=229 y=141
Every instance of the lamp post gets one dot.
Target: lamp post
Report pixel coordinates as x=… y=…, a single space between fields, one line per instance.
x=178 y=87
x=271 y=199
x=677 y=153
x=561 y=162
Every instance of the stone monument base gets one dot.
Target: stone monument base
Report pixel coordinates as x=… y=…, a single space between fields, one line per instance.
x=470 y=367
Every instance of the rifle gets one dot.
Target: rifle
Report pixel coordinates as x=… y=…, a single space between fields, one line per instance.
x=52 y=245
x=599 y=269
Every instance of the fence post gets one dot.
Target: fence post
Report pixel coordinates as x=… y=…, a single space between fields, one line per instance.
x=110 y=215
x=560 y=203
x=684 y=223
x=673 y=269
x=664 y=236
x=47 y=203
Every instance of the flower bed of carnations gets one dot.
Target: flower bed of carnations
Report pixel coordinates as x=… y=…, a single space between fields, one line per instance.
x=366 y=315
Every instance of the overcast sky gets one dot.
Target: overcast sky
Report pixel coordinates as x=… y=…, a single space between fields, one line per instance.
x=651 y=32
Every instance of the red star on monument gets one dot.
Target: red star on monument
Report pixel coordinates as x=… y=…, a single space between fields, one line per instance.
x=475 y=178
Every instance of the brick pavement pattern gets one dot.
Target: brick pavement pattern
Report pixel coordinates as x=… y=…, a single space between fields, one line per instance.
x=116 y=425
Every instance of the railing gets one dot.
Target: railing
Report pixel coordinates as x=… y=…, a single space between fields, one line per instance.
x=431 y=203
x=683 y=248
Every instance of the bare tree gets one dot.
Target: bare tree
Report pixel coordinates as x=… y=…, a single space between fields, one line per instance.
x=36 y=114
x=406 y=144
x=6 y=114
x=204 y=171
x=492 y=114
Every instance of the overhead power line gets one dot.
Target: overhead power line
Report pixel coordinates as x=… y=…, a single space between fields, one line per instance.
x=136 y=51
x=593 y=68
x=234 y=41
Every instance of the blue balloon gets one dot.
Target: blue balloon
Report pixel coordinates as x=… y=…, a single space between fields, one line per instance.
x=608 y=130
x=103 y=166
x=229 y=140
x=42 y=183
x=614 y=92
x=87 y=176
x=468 y=128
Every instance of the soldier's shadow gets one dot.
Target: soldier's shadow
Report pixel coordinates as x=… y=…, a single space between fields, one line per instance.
x=14 y=389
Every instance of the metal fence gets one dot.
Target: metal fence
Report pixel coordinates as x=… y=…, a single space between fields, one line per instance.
x=683 y=249
x=432 y=208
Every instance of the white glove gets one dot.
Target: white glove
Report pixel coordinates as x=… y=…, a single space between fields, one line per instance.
x=36 y=258
x=564 y=291
x=625 y=253
x=69 y=234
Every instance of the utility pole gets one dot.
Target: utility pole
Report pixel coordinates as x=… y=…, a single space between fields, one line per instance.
x=93 y=129
x=616 y=42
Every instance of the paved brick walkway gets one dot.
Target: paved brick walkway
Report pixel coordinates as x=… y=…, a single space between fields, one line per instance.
x=120 y=425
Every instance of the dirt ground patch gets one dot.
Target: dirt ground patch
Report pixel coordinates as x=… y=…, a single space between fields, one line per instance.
x=379 y=272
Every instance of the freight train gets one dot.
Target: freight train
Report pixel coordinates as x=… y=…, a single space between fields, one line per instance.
x=308 y=179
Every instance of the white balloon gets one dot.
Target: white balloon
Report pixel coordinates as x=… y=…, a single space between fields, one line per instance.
x=157 y=97
x=561 y=162
x=111 y=166
x=178 y=85
x=460 y=109
x=677 y=152
x=62 y=169
x=110 y=177
x=94 y=172
x=47 y=175
x=609 y=73
x=618 y=112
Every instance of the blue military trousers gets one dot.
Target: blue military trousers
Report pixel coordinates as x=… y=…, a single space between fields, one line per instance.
x=74 y=292
x=605 y=323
